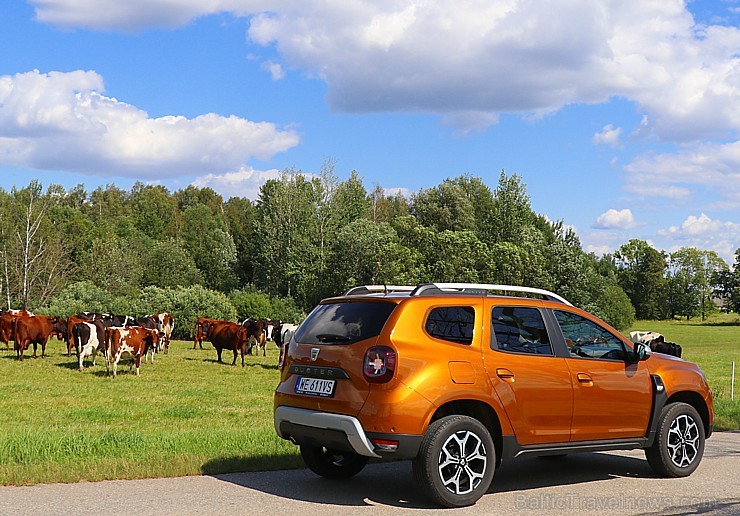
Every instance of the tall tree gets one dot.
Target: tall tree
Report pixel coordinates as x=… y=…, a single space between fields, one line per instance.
x=445 y=208
x=285 y=216
x=209 y=242
x=641 y=276
x=511 y=211
x=689 y=279
x=726 y=284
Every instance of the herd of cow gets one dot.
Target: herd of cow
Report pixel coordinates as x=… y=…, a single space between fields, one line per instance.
x=113 y=336
x=88 y=334
x=242 y=337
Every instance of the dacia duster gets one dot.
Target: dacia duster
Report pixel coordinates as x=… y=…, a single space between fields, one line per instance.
x=456 y=379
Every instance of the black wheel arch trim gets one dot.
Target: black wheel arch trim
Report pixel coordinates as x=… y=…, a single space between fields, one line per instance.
x=660 y=398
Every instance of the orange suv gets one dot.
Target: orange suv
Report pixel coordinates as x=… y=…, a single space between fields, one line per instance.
x=457 y=379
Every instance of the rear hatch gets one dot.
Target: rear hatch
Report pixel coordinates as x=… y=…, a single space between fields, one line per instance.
x=324 y=364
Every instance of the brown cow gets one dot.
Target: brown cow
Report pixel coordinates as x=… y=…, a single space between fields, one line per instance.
x=256 y=335
x=7 y=324
x=202 y=328
x=36 y=330
x=133 y=340
x=228 y=335
x=72 y=321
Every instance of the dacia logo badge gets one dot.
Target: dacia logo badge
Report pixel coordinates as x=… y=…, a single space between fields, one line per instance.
x=314 y=354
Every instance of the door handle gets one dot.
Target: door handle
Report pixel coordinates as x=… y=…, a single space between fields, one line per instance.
x=584 y=379
x=505 y=374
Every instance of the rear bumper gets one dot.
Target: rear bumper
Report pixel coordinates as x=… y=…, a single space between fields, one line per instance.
x=340 y=432
x=337 y=431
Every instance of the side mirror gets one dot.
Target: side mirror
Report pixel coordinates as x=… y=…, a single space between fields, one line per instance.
x=641 y=352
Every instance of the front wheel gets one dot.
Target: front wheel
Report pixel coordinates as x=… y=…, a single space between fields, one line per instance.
x=679 y=443
x=331 y=463
x=456 y=461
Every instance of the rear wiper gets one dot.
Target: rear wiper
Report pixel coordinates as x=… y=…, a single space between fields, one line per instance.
x=332 y=337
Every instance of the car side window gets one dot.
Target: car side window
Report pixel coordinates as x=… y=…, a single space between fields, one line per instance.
x=586 y=339
x=519 y=329
x=451 y=323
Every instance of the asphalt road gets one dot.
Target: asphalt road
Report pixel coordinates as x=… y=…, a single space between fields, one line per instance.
x=599 y=483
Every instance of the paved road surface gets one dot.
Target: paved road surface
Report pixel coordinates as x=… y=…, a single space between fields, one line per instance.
x=600 y=483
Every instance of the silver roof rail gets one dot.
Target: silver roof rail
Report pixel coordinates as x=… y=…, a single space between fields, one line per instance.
x=483 y=288
x=376 y=289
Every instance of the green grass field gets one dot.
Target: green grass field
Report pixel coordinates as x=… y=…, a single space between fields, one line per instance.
x=713 y=344
x=187 y=414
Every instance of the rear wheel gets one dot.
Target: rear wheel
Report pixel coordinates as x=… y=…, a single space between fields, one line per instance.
x=331 y=463
x=456 y=461
x=679 y=443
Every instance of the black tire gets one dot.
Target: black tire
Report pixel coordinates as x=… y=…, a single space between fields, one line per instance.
x=456 y=461
x=331 y=463
x=679 y=442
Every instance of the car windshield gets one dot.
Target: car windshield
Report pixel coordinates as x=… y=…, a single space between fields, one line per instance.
x=344 y=323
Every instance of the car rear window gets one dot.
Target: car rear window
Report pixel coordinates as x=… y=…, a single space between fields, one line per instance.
x=344 y=323
x=452 y=323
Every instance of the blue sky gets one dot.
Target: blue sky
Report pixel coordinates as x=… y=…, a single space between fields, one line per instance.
x=621 y=117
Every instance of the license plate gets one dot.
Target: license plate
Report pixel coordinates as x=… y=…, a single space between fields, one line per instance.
x=315 y=387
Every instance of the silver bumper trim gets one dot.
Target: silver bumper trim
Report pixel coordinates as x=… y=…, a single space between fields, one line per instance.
x=349 y=425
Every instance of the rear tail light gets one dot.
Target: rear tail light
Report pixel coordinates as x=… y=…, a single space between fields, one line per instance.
x=379 y=365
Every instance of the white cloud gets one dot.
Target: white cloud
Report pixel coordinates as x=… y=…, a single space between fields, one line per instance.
x=275 y=69
x=479 y=56
x=62 y=121
x=608 y=135
x=703 y=232
x=615 y=219
x=710 y=165
x=404 y=192
x=244 y=183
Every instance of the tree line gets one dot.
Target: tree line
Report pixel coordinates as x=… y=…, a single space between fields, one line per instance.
x=309 y=236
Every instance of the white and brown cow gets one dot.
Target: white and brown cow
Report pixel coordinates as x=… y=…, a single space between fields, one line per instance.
x=134 y=340
x=89 y=339
x=282 y=336
x=166 y=325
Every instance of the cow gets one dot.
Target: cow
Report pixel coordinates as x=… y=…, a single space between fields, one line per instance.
x=167 y=324
x=656 y=342
x=36 y=329
x=7 y=324
x=282 y=336
x=202 y=327
x=228 y=335
x=255 y=335
x=72 y=320
x=270 y=326
x=163 y=322
x=89 y=339
x=108 y=320
x=133 y=340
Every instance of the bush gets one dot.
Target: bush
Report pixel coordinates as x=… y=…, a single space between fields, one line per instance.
x=615 y=307
x=79 y=297
x=185 y=304
x=251 y=302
